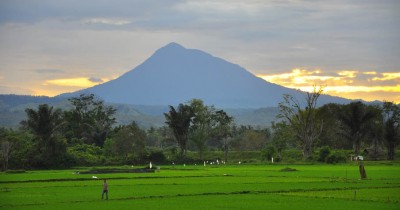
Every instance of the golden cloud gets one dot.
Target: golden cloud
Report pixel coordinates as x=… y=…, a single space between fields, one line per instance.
x=81 y=82
x=351 y=89
x=344 y=83
x=348 y=74
x=387 y=76
x=302 y=77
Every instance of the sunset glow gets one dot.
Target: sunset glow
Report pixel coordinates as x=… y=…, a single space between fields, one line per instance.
x=349 y=47
x=72 y=82
x=353 y=84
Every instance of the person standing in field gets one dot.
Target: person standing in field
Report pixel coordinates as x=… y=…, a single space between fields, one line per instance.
x=105 y=190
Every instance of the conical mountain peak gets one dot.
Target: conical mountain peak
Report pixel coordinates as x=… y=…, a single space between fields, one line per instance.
x=175 y=74
x=173 y=45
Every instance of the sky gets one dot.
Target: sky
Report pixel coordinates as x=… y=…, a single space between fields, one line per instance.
x=349 y=47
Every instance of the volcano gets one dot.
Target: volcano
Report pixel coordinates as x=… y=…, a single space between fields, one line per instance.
x=175 y=74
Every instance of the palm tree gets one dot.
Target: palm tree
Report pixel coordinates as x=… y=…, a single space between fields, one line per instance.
x=355 y=120
x=44 y=124
x=179 y=121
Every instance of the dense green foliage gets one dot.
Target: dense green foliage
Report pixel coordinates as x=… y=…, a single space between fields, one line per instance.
x=179 y=121
x=87 y=134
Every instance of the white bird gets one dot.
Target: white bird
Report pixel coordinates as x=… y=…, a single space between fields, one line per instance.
x=94 y=177
x=151 y=165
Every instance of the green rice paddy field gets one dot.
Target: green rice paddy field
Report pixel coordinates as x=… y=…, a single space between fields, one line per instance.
x=208 y=187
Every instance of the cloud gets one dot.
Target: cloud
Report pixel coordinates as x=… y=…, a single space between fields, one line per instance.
x=388 y=76
x=49 y=71
x=343 y=83
x=80 y=82
x=96 y=80
x=109 y=37
x=69 y=10
x=106 y=21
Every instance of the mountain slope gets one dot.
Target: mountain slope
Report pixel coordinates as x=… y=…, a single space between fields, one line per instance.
x=174 y=74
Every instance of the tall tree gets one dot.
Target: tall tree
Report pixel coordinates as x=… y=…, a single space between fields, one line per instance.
x=223 y=130
x=7 y=144
x=202 y=124
x=305 y=122
x=356 y=119
x=391 y=115
x=90 y=120
x=130 y=140
x=330 y=135
x=282 y=136
x=179 y=121
x=44 y=124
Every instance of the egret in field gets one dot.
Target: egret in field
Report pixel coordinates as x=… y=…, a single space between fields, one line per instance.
x=150 y=165
x=94 y=177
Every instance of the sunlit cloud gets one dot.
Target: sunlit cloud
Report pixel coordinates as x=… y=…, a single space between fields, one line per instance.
x=81 y=82
x=299 y=77
x=348 y=74
x=387 y=76
x=351 y=89
x=106 y=21
x=353 y=84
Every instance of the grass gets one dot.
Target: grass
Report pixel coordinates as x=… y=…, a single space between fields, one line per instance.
x=210 y=187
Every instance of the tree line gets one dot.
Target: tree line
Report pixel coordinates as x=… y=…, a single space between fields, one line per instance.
x=366 y=129
x=87 y=134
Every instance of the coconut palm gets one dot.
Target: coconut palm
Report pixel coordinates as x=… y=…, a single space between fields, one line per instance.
x=355 y=120
x=179 y=122
x=44 y=124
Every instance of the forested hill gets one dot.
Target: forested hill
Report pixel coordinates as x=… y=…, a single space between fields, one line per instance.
x=16 y=100
x=12 y=112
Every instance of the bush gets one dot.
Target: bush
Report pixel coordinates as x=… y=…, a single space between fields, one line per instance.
x=292 y=155
x=324 y=152
x=277 y=159
x=337 y=157
x=268 y=153
x=157 y=157
x=85 y=155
